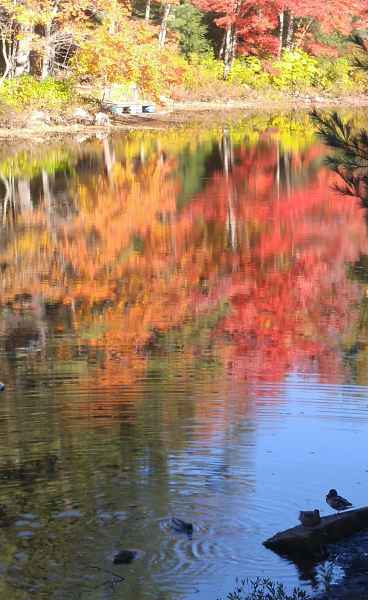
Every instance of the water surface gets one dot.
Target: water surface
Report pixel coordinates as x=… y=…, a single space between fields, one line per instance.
x=183 y=333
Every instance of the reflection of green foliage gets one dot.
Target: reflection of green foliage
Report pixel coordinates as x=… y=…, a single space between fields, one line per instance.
x=294 y=131
x=94 y=332
x=138 y=244
x=359 y=270
x=198 y=333
x=26 y=164
x=191 y=171
x=355 y=345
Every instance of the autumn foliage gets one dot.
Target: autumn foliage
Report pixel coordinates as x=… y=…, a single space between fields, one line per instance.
x=118 y=42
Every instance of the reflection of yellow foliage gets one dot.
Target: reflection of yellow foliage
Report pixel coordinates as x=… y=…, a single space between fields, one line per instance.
x=32 y=243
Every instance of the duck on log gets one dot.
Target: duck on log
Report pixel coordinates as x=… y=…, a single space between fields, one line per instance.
x=307 y=540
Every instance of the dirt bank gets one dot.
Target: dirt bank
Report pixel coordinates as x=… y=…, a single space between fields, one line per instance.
x=177 y=114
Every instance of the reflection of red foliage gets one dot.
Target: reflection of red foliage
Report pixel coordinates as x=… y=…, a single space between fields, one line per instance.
x=290 y=299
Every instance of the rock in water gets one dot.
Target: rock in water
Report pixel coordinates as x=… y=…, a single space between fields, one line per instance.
x=102 y=119
x=37 y=118
x=181 y=526
x=82 y=116
x=125 y=557
x=2 y=386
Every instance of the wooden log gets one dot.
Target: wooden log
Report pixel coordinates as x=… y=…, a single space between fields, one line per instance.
x=302 y=540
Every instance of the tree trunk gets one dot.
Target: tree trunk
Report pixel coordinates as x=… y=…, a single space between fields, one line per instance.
x=281 y=32
x=23 y=52
x=112 y=15
x=234 y=45
x=48 y=54
x=163 y=28
x=286 y=31
x=222 y=47
x=278 y=168
x=229 y=49
x=49 y=49
x=290 y=31
x=147 y=14
x=6 y=53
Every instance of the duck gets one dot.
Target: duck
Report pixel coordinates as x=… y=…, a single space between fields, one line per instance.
x=309 y=518
x=2 y=386
x=181 y=526
x=125 y=557
x=337 y=502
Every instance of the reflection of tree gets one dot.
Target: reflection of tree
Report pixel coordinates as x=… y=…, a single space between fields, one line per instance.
x=283 y=309
x=16 y=196
x=112 y=246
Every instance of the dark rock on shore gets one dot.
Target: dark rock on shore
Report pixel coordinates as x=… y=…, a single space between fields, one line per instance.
x=303 y=541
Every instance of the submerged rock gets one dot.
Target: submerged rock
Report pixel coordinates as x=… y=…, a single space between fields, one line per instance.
x=27 y=523
x=21 y=556
x=105 y=515
x=125 y=557
x=28 y=516
x=120 y=515
x=69 y=514
x=24 y=534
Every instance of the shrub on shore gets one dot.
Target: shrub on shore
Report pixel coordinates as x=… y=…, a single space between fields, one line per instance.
x=27 y=91
x=264 y=589
x=294 y=72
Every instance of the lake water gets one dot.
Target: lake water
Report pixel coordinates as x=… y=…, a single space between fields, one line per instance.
x=183 y=332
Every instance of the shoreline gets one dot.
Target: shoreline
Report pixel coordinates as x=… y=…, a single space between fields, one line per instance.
x=180 y=114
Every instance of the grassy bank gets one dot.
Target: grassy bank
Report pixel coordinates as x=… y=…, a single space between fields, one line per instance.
x=295 y=80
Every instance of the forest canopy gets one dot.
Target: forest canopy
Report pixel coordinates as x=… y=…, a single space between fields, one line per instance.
x=165 y=47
